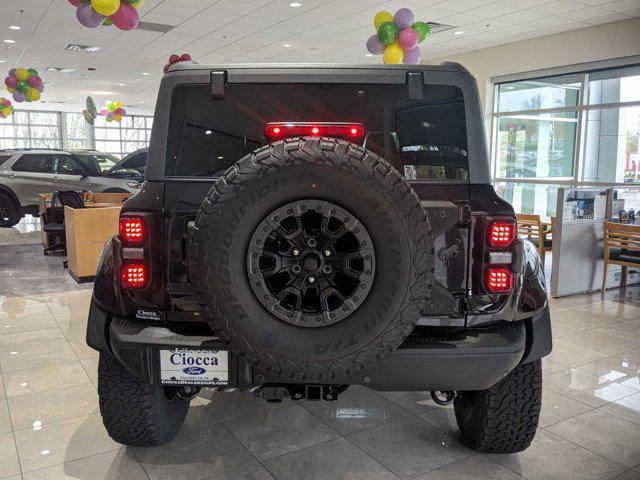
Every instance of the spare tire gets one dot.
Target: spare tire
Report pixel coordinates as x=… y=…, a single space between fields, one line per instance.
x=312 y=257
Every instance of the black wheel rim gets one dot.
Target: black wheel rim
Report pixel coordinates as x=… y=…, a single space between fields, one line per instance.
x=4 y=215
x=311 y=263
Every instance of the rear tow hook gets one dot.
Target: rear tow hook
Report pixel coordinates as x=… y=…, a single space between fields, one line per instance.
x=443 y=398
x=188 y=393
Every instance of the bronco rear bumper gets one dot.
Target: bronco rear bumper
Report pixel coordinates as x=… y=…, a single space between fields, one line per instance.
x=466 y=359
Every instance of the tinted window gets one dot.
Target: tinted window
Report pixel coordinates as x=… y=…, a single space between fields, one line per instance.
x=34 y=162
x=424 y=140
x=97 y=163
x=4 y=158
x=66 y=165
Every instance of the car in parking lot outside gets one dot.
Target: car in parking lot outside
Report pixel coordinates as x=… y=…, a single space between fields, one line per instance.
x=26 y=173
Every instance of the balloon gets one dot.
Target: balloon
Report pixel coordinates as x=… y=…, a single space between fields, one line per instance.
x=408 y=39
x=185 y=57
x=117 y=104
x=403 y=18
x=35 y=82
x=12 y=72
x=110 y=106
x=91 y=106
x=117 y=118
x=104 y=112
x=21 y=74
x=126 y=18
x=382 y=17
x=23 y=86
x=137 y=4
x=32 y=72
x=87 y=16
x=11 y=90
x=88 y=117
x=106 y=7
x=109 y=119
x=422 y=29
x=75 y=3
x=413 y=56
x=107 y=23
x=33 y=95
x=6 y=111
x=18 y=96
x=41 y=88
x=374 y=45
x=393 y=54
x=119 y=111
x=6 y=102
x=174 y=58
x=11 y=82
x=387 y=33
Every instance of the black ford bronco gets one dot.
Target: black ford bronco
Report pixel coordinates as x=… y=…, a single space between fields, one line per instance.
x=304 y=228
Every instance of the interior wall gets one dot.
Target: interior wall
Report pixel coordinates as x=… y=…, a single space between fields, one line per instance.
x=600 y=42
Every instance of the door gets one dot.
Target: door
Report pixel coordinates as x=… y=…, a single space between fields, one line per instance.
x=69 y=174
x=30 y=176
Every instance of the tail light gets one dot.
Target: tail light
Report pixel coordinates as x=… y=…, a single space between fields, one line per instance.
x=135 y=275
x=501 y=234
x=498 y=280
x=353 y=132
x=133 y=231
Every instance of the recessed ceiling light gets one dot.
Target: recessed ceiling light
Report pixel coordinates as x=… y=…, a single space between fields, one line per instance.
x=368 y=54
x=141 y=103
x=145 y=73
x=82 y=48
x=1 y=61
x=14 y=27
x=9 y=41
x=50 y=84
x=121 y=84
x=295 y=4
x=286 y=45
x=459 y=32
x=60 y=69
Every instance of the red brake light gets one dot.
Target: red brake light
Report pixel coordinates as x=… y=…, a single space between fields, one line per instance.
x=498 y=280
x=134 y=275
x=501 y=234
x=354 y=132
x=133 y=231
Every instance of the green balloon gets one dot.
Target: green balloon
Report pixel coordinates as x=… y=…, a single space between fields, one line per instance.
x=23 y=86
x=422 y=29
x=388 y=33
x=32 y=72
x=107 y=22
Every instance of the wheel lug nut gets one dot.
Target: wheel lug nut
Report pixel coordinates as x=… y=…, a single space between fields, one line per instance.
x=326 y=269
x=327 y=253
x=295 y=269
x=312 y=279
x=296 y=252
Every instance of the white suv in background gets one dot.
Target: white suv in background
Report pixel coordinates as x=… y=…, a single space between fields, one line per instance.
x=26 y=173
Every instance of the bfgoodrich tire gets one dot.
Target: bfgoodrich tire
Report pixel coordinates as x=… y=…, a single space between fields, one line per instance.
x=9 y=211
x=136 y=413
x=503 y=418
x=308 y=184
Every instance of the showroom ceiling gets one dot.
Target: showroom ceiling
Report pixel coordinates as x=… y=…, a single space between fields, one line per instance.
x=128 y=65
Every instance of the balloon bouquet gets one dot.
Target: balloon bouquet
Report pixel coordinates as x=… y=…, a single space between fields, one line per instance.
x=113 y=111
x=24 y=84
x=6 y=108
x=121 y=13
x=397 y=37
x=185 y=57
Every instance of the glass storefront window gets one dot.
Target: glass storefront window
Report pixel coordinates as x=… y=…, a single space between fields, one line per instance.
x=533 y=198
x=552 y=92
x=614 y=86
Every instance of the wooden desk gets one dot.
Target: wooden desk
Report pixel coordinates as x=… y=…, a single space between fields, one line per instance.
x=100 y=199
x=87 y=229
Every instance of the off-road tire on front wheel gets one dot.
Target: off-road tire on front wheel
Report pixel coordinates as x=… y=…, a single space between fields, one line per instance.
x=9 y=212
x=136 y=413
x=503 y=418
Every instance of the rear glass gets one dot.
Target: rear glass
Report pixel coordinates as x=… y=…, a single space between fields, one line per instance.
x=425 y=140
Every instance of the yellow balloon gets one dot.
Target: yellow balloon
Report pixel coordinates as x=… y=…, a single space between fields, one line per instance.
x=393 y=54
x=6 y=111
x=11 y=90
x=106 y=7
x=33 y=95
x=137 y=4
x=382 y=17
x=22 y=74
x=117 y=118
x=118 y=104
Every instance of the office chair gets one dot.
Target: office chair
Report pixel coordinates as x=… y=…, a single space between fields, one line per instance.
x=70 y=198
x=53 y=225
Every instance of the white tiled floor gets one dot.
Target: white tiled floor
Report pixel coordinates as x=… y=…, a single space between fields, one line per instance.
x=50 y=426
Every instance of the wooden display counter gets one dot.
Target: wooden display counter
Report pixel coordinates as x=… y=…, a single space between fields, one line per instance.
x=100 y=199
x=87 y=229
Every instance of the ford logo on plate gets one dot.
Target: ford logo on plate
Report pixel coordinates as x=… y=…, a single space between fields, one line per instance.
x=194 y=370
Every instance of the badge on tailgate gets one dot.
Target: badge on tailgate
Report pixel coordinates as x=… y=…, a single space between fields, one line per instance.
x=185 y=366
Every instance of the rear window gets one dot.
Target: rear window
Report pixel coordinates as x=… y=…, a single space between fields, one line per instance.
x=425 y=140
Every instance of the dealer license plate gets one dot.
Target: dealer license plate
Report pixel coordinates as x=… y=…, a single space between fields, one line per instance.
x=186 y=366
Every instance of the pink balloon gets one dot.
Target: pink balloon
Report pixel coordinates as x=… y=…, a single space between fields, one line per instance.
x=104 y=112
x=35 y=82
x=75 y=3
x=6 y=102
x=126 y=18
x=11 y=82
x=119 y=111
x=412 y=57
x=408 y=39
